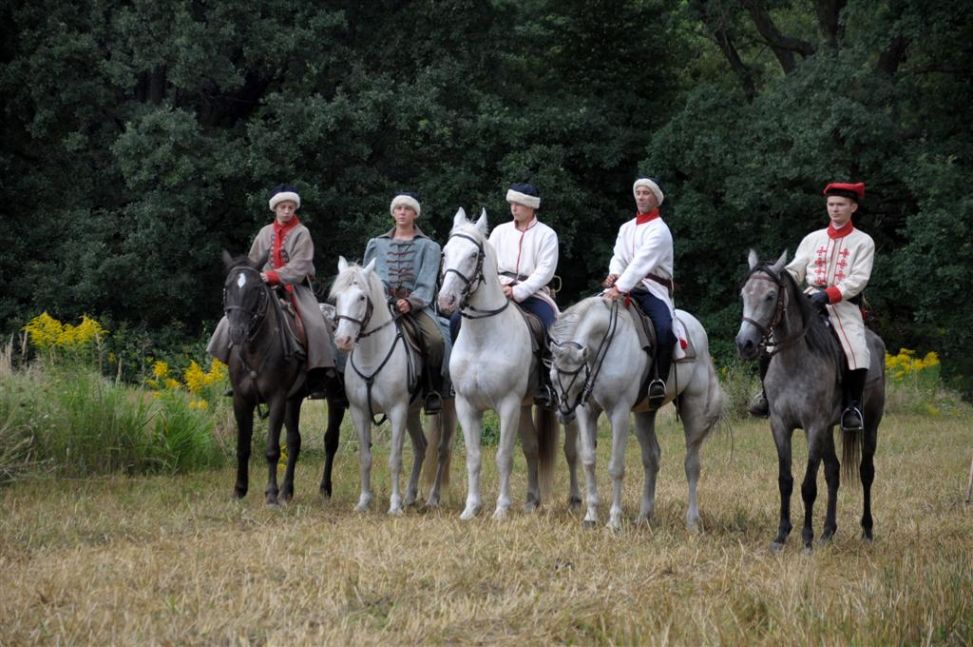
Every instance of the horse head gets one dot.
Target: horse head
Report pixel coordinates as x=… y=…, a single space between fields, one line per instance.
x=245 y=297
x=354 y=297
x=763 y=304
x=463 y=256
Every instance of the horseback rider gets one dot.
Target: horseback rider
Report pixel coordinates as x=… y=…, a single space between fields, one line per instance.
x=641 y=268
x=289 y=252
x=527 y=254
x=836 y=262
x=407 y=261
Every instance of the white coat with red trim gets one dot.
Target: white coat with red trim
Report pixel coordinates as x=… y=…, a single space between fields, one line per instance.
x=840 y=263
x=532 y=253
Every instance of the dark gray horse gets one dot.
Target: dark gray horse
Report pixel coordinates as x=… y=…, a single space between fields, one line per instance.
x=264 y=368
x=803 y=391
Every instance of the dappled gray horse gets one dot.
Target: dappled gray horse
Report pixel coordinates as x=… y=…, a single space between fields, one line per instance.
x=599 y=365
x=803 y=391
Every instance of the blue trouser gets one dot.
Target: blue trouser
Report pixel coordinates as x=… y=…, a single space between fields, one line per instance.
x=658 y=312
x=533 y=305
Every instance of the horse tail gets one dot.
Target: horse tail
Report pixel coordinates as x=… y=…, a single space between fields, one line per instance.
x=430 y=465
x=547 y=432
x=851 y=455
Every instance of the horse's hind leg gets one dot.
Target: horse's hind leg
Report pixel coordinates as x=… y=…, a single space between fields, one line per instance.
x=809 y=487
x=785 y=483
x=274 y=423
x=336 y=413
x=292 y=417
x=651 y=455
x=243 y=412
x=698 y=419
x=571 y=455
x=446 y=421
x=616 y=466
x=414 y=426
x=531 y=448
x=867 y=473
x=832 y=476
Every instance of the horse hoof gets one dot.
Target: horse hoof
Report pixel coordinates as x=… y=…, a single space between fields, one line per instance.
x=238 y=494
x=574 y=503
x=500 y=514
x=432 y=503
x=777 y=547
x=326 y=493
x=469 y=513
x=589 y=523
x=808 y=549
x=396 y=512
x=530 y=507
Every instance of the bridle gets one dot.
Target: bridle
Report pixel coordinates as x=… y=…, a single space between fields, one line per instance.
x=364 y=321
x=765 y=273
x=258 y=314
x=590 y=372
x=473 y=282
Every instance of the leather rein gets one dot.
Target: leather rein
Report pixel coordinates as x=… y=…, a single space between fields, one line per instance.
x=764 y=273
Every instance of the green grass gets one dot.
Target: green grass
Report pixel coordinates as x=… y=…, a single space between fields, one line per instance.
x=171 y=559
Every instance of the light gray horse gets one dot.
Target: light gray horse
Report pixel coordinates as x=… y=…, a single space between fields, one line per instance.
x=382 y=376
x=492 y=366
x=803 y=392
x=599 y=365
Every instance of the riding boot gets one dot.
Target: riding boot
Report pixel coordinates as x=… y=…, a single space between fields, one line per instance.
x=433 y=380
x=336 y=391
x=759 y=406
x=661 y=365
x=545 y=396
x=317 y=382
x=853 y=392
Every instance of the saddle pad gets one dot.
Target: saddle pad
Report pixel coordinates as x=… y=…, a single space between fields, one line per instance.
x=294 y=327
x=536 y=328
x=684 y=349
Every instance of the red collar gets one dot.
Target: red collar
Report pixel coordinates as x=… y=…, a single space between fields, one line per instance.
x=280 y=229
x=840 y=233
x=642 y=218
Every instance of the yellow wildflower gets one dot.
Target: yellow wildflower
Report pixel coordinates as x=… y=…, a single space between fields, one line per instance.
x=44 y=330
x=194 y=377
x=160 y=369
x=172 y=384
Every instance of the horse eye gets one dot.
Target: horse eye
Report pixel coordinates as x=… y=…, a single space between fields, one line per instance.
x=770 y=297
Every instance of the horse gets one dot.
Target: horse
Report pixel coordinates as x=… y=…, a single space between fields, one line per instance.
x=802 y=387
x=382 y=377
x=599 y=365
x=492 y=366
x=264 y=368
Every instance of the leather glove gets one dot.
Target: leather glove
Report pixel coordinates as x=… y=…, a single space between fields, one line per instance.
x=820 y=299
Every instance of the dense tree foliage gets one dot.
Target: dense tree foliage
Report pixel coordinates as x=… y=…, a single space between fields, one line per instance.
x=138 y=139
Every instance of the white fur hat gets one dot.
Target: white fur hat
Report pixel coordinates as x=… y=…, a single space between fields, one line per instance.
x=653 y=187
x=284 y=192
x=408 y=199
x=525 y=194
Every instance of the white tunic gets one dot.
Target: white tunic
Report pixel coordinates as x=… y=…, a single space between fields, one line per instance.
x=840 y=263
x=531 y=253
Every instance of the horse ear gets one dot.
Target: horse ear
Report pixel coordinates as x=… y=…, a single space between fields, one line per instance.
x=779 y=265
x=227 y=260
x=368 y=268
x=460 y=217
x=482 y=223
x=342 y=264
x=752 y=259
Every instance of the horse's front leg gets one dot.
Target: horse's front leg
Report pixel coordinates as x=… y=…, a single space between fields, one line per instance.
x=616 y=466
x=398 y=415
x=243 y=412
x=866 y=471
x=336 y=413
x=292 y=418
x=785 y=482
x=275 y=421
x=651 y=455
x=571 y=456
x=531 y=448
x=472 y=422
x=363 y=423
x=809 y=486
x=588 y=429
x=414 y=427
x=832 y=476
x=509 y=414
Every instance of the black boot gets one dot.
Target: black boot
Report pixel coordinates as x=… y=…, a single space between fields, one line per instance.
x=336 y=391
x=661 y=365
x=545 y=395
x=853 y=397
x=317 y=382
x=433 y=379
x=759 y=406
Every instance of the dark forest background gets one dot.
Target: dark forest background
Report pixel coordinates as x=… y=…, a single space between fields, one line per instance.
x=139 y=138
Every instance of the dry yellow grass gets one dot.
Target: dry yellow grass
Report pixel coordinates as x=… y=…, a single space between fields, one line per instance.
x=173 y=560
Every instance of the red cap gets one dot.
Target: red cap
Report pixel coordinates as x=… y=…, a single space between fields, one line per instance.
x=846 y=190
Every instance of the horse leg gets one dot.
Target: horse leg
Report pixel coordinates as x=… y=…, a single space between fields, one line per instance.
x=472 y=422
x=571 y=455
x=336 y=413
x=785 y=482
x=274 y=423
x=243 y=412
x=446 y=421
x=292 y=418
x=809 y=487
x=697 y=423
x=616 y=466
x=651 y=455
x=414 y=427
x=588 y=427
x=531 y=448
x=832 y=476
x=509 y=413
x=398 y=415
x=867 y=473
x=363 y=423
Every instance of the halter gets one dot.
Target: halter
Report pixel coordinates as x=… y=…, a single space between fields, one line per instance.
x=256 y=316
x=590 y=373
x=764 y=273
x=472 y=283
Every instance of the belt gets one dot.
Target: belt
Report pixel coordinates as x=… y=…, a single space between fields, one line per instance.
x=400 y=293
x=523 y=277
x=666 y=283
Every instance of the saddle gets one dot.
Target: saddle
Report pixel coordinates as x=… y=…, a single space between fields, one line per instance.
x=295 y=336
x=647 y=339
x=538 y=336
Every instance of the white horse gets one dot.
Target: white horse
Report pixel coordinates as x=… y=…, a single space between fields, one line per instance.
x=492 y=366
x=599 y=365
x=382 y=377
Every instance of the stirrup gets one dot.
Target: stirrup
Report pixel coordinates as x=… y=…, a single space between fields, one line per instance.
x=545 y=397
x=759 y=407
x=229 y=392
x=656 y=393
x=852 y=419
x=433 y=403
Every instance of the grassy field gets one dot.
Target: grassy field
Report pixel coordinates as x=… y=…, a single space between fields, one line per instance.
x=162 y=559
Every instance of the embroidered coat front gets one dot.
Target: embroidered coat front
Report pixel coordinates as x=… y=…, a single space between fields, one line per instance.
x=840 y=263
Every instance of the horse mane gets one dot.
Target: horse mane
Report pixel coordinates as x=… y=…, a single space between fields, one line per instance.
x=818 y=337
x=567 y=323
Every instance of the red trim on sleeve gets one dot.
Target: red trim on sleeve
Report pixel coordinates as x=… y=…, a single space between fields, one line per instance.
x=273 y=277
x=834 y=294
